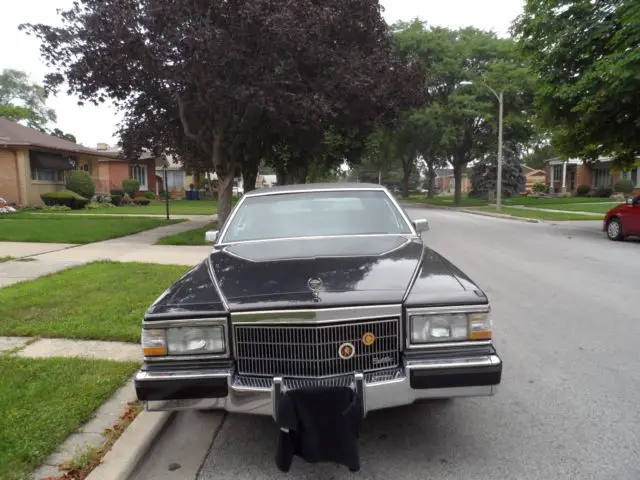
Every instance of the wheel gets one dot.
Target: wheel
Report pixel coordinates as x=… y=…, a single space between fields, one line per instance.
x=614 y=229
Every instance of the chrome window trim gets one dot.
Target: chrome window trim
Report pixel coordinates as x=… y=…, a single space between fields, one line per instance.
x=318 y=316
x=403 y=214
x=190 y=322
x=480 y=308
x=408 y=236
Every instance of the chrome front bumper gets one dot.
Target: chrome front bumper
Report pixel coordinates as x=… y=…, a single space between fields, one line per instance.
x=224 y=390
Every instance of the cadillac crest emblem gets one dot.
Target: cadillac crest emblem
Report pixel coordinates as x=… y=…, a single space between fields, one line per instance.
x=346 y=351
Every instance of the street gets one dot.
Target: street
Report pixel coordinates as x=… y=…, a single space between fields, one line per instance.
x=566 y=314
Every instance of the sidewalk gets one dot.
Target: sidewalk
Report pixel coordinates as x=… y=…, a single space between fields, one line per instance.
x=138 y=247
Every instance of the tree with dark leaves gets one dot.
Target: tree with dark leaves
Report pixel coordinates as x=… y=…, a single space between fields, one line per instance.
x=231 y=79
x=484 y=176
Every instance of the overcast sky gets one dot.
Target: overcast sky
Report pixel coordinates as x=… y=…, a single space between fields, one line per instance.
x=92 y=124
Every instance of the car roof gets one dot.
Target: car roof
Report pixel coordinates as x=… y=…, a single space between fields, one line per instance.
x=307 y=187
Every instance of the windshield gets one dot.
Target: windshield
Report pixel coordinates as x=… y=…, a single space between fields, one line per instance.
x=308 y=214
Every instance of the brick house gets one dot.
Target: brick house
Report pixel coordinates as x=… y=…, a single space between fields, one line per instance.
x=566 y=176
x=532 y=176
x=116 y=168
x=33 y=163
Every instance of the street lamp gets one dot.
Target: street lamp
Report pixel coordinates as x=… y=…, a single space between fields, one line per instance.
x=500 y=97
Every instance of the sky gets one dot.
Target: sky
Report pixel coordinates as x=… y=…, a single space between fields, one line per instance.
x=91 y=124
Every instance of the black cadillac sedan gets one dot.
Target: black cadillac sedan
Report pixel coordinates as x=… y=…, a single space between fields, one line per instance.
x=317 y=286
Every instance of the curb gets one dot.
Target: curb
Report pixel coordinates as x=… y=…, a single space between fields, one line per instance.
x=501 y=215
x=120 y=462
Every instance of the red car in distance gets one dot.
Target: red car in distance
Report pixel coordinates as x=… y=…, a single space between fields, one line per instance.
x=623 y=220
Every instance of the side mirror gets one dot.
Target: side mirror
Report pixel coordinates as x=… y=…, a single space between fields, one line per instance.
x=211 y=236
x=421 y=225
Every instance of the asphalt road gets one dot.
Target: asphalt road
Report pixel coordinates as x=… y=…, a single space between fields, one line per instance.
x=566 y=305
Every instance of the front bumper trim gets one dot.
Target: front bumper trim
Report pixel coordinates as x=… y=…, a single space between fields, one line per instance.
x=465 y=377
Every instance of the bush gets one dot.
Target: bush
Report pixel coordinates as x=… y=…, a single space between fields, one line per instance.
x=540 y=188
x=149 y=195
x=624 y=186
x=117 y=191
x=81 y=183
x=64 y=197
x=583 y=190
x=141 y=201
x=126 y=200
x=56 y=208
x=130 y=186
x=164 y=195
x=603 y=192
x=116 y=199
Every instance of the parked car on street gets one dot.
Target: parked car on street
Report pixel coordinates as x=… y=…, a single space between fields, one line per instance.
x=315 y=286
x=623 y=220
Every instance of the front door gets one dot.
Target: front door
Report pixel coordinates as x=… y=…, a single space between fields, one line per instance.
x=633 y=217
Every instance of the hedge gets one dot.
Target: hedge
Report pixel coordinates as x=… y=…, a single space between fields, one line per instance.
x=65 y=197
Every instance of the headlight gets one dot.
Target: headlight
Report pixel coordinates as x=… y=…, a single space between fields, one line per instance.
x=448 y=327
x=184 y=340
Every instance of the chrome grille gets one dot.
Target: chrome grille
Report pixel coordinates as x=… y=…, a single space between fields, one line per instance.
x=311 y=351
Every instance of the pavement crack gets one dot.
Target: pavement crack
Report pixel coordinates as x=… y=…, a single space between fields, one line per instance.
x=213 y=440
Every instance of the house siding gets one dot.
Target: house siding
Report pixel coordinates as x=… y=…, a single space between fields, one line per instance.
x=9 y=177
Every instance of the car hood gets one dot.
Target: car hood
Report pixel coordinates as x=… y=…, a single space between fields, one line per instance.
x=353 y=271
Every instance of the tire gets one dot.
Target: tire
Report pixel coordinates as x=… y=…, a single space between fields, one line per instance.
x=614 y=230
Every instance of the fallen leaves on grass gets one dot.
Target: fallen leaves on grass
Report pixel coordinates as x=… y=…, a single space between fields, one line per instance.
x=86 y=461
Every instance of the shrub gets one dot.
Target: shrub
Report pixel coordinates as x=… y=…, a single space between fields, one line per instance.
x=624 y=186
x=116 y=199
x=56 y=208
x=164 y=195
x=81 y=183
x=126 y=200
x=603 y=192
x=149 y=195
x=117 y=191
x=130 y=186
x=583 y=190
x=540 y=188
x=94 y=205
x=64 y=197
x=141 y=201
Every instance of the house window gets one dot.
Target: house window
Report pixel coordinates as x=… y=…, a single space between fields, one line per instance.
x=85 y=167
x=601 y=177
x=139 y=173
x=557 y=173
x=175 y=180
x=47 y=175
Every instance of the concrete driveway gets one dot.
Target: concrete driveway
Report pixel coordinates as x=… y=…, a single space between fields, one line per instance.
x=567 y=324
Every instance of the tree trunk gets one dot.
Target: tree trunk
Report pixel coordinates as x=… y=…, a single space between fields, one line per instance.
x=281 y=174
x=294 y=175
x=406 y=170
x=225 y=170
x=249 y=174
x=457 y=178
x=432 y=179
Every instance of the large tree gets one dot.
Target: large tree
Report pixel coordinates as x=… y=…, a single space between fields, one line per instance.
x=586 y=56
x=23 y=100
x=234 y=80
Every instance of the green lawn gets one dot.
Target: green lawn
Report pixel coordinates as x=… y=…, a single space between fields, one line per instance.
x=6 y=259
x=61 y=228
x=539 y=214
x=445 y=201
x=190 y=237
x=544 y=202
x=45 y=400
x=157 y=207
x=582 y=207
x=100 y=301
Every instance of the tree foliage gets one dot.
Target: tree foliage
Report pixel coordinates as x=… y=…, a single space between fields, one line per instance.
x=56 y=132
x=458 y=124
x=23 y=100
x=484 y=176
x=226 y=84
x=586 y=56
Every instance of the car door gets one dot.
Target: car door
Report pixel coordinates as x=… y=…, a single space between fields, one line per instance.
x=633 y=217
